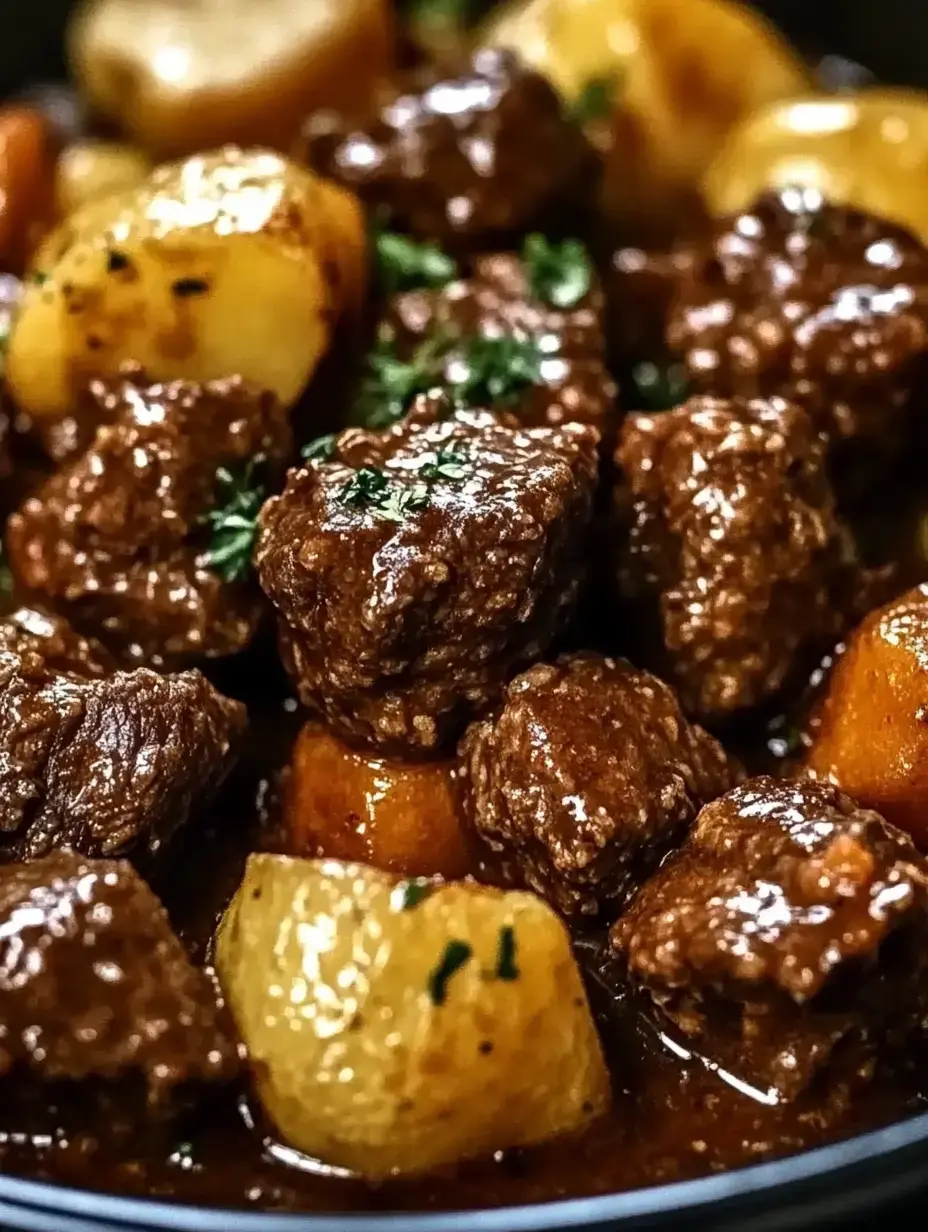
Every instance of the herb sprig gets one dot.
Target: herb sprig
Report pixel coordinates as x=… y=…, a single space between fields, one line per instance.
x=234 y=520
x=455 y=955
x=405 y=264
x=658 y=387
x=376 y=493
x=558 y=274
x=494 y=371
x=596 y=100
x=392 y=383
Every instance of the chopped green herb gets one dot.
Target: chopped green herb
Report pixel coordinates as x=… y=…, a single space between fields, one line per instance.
x=234 y=521
x=658 y=388
x=595 y=100
x=450 y=463
x=392 y=383
x=405 y=264
x=369 y=489
x=455 y=13
x=492 y=371
x=39 y=277
x=506 y=968
x=558 y=274
x=365 y=487
x=321 y=449
x=401 y=501
x=456 y=955
x=409 y=894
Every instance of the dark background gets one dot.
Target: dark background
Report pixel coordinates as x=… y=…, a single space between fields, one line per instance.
x=889 y=36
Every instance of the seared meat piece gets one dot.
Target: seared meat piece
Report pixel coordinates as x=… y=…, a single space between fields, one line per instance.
x=731 y=527
x=470 y=161
x=789 y=921
x=813 y=302
x=94 y=985
x=119 y=537
x=551 y=359
x=101 y=760
x=416 y=570
x=639 y=287
x=870 y=732
x=589 y=774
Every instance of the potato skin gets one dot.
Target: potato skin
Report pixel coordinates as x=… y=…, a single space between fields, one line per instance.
x=684 y=74
x=866 y=150
x=251 y=70
x=387 y=1035
x=343 y=804
x=871 y=730
x=235 y=262
x=91 y=169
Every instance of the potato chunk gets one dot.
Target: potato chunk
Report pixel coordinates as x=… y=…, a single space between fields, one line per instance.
x=868 y=151
x=349 y=805
x=871 y=731
x=233 y=262
x=680 y=74
x=399 y=1026
x=186 y=75
x=91 y=169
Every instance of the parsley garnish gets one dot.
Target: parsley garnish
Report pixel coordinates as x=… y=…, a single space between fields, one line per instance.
x=506 y=968
x=658 y=388
x=455 y=956
x=234 y=521
x=321 y=449
x=405 y=264
x=392 y=383
x=595 y=100
x=490 y=371
x=410 y=894
x=450 y=463
x=39 y=277
x=370 y=489
x=558 y=274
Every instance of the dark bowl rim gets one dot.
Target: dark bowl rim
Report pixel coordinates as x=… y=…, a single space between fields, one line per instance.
x=828 y=1163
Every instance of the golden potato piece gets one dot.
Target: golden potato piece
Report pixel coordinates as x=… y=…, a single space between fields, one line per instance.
x=683 y=74
x=349 y=805
x=867 y=150
x=90 y=169
x=402 y=1025
x=233 y=262
x=186 y=75
x=871 y=731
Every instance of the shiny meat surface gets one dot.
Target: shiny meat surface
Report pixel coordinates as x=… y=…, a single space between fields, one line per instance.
x=470 y=160
x=727 y=521
x=586 y=778
x=880 y=686
x=120 y=536
x=101 y=760
x=572 y=384
x=815 y=303
x=789 y=921
x=95 y=985
x=414 y=571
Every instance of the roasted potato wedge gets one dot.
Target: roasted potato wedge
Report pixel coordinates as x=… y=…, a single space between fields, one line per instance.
x=186 y=75
x=348 y=805
x=233 y=262
x=681 y=75
x=398 y=1026
x=88 y=170
x=868 y=150
x=879 y=690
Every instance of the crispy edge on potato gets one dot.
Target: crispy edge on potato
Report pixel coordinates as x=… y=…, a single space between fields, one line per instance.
x=345 y=804
x=235 y=261
x=396 y=1026
x=870 y=732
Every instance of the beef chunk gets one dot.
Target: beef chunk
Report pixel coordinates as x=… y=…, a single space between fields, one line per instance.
x=98 y=759
x=589 y=774
x=789 y=921
x=870 y=732
x=470 y=161
x=550 y=359
x=416 y=570
x=95 y=985
x=816 y=303
x=120 y=536
x=731 y=526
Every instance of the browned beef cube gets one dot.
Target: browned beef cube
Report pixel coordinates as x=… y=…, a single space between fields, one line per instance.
x=586 y=778
x=728 y=523
x=416 y=570
x=98 y=759
x=789 y=922
x=94 y=985
x=121 y=536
